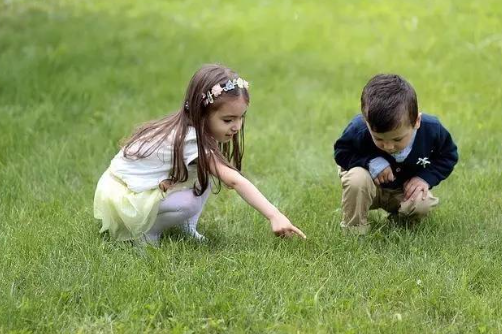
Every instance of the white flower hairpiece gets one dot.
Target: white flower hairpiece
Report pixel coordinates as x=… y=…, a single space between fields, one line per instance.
x=217 y=89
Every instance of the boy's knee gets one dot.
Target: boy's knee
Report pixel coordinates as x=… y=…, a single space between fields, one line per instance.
x=418 y=208
x=356 y=178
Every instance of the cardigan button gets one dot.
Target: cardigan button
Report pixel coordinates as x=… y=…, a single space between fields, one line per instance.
x=398 y=169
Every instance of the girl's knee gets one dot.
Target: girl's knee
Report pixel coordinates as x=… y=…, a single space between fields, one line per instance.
x=190 y=206
x=184 y=202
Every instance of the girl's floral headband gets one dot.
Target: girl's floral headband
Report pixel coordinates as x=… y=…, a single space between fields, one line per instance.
x=217 y=89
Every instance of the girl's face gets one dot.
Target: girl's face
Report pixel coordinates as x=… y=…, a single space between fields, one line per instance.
x=226 y=121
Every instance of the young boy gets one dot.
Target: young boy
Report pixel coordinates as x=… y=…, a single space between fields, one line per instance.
x=391 y=155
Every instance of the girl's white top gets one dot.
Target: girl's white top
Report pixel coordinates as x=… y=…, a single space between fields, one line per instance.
x=146 y=173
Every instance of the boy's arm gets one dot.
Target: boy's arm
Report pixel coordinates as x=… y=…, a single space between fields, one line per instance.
x=442 y=160
x=377 y=165
x=347 y=154
x=281 y=226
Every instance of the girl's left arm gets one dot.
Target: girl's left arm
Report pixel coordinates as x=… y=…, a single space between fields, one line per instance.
x=280 y=224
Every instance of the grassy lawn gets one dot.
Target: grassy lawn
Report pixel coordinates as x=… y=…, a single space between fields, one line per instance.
x=78 y=76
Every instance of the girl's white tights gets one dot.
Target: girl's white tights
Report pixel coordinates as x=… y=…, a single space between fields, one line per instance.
x=181 y=208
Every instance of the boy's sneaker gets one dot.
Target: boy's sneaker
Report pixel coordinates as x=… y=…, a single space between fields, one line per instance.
x=355 y=230
x=399 y=220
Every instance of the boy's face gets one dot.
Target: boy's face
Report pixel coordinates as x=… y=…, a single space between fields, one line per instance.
x=395 y=140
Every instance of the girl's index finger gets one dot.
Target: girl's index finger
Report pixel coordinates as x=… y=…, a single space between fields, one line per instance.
x=299 y=232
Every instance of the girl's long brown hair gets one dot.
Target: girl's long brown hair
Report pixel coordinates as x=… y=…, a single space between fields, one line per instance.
x=193 y=113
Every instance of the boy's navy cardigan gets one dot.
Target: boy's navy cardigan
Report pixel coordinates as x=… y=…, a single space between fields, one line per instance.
x=432 y=157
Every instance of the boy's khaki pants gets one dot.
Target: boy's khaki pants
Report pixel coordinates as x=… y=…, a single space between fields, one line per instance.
x=360 y=194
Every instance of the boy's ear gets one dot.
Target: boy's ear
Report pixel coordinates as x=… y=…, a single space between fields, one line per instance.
x=418 y=122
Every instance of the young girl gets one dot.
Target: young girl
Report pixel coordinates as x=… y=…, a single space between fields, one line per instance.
x=161 y=176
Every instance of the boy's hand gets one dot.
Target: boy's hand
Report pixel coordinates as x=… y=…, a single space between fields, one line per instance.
x=282 y=227
x=413 y=187
x=385 y=176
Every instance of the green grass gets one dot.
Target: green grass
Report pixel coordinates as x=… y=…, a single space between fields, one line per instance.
x=76 y=77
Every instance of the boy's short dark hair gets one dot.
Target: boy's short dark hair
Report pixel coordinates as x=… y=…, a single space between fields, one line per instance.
x=386 y=100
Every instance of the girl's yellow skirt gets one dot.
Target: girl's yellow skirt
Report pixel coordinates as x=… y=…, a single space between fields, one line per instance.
x=125 y=214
